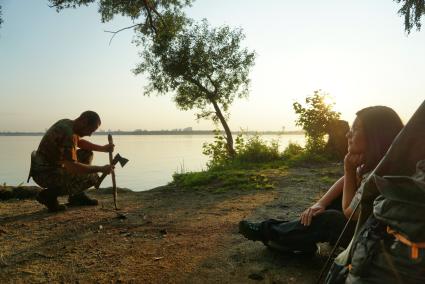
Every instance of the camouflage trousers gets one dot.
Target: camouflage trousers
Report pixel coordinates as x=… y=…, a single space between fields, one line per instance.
x=65 y=183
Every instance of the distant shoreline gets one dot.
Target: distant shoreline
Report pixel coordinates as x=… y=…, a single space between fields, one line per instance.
x=162 y=132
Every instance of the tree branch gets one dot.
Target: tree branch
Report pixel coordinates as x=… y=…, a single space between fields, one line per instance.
x=120 y=30
x=212 y=83
x=148 y=8
x=199 y=85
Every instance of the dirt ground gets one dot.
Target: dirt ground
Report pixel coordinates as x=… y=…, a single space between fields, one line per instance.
x=165 y=235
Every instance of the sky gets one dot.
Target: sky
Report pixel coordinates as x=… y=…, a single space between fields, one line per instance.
x=57 y=65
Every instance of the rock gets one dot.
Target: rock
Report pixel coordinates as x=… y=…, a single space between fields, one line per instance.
x=256 y=276
x=337 y=142
x=19 y=192
x=121 y=216
x=109 y=190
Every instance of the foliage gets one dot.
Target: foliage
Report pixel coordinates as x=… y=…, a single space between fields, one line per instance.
x=1 y=20
x=412 y=10
x=292 y=150
x=295 y=155
x=251 y=149
x=217 y=151
x=147 y=12
x=256 y=150
x=314 y=119
x=200 y=63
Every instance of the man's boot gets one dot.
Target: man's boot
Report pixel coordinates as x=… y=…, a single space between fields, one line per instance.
x=49 y=198
x=81 y=199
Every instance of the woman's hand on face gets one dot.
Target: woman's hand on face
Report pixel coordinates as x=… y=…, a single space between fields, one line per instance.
x=352 y=161
x=310 y=212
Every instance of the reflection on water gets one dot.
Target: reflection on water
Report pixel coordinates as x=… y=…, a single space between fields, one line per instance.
x=153 y=158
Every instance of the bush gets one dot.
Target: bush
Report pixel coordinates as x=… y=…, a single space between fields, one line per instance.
x=292 y=150
x=256 y=150
x=252 y=151
x=295 y=155
x=248 y=150
x=217 y=150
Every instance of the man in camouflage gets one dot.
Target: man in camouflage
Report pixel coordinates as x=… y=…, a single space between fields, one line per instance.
x=61 y=169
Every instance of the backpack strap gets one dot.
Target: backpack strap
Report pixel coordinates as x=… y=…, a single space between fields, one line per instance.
x=414 y=246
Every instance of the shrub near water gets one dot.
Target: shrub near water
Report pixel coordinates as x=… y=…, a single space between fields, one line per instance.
x=225 y=172
x=255 y=150
x=248 y=150
x=217 y=151
x=295 y=155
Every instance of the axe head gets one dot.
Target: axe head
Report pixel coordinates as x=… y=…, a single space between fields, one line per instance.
x=119 y=159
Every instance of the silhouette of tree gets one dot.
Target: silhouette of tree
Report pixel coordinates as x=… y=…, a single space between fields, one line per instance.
x=149 y=14
x=1 y=20
x=412 y=11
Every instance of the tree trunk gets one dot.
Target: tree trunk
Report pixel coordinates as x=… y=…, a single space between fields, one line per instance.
x=229 y=137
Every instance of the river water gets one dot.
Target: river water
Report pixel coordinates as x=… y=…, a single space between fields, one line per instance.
x=153 y=158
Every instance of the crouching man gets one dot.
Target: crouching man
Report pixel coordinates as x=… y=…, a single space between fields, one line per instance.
x=62 y=162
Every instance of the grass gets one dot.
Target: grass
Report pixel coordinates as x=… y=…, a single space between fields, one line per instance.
x=227 y=178
x=261 y=176
x=327 y=179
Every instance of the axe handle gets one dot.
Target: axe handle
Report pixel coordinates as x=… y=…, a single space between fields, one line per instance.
x=102 y=177
x=114 y=184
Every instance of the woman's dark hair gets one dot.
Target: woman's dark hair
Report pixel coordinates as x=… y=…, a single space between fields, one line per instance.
x=381 y=125
x=91 y=117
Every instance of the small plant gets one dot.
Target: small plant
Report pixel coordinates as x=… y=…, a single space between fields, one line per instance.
x=217 y=151
x=248 y=150
x=292 y=150
x=295 y=155
x=256 y=150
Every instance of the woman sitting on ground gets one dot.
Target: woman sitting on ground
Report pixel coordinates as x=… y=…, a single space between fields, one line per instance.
x=371 y=135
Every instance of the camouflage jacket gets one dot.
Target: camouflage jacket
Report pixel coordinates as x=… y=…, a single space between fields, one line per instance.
x=58 y=144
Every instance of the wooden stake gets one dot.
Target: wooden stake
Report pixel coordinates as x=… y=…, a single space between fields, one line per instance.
x=114 y=183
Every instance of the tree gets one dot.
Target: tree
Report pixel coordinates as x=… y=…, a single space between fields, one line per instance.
x=1 y=20
x=412 y=10
x=205 y=67
x=315 y=118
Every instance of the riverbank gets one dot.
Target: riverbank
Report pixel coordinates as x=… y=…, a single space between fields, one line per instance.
x=165 y=235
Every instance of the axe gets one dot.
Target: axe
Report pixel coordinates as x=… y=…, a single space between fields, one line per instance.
x=117 y=159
